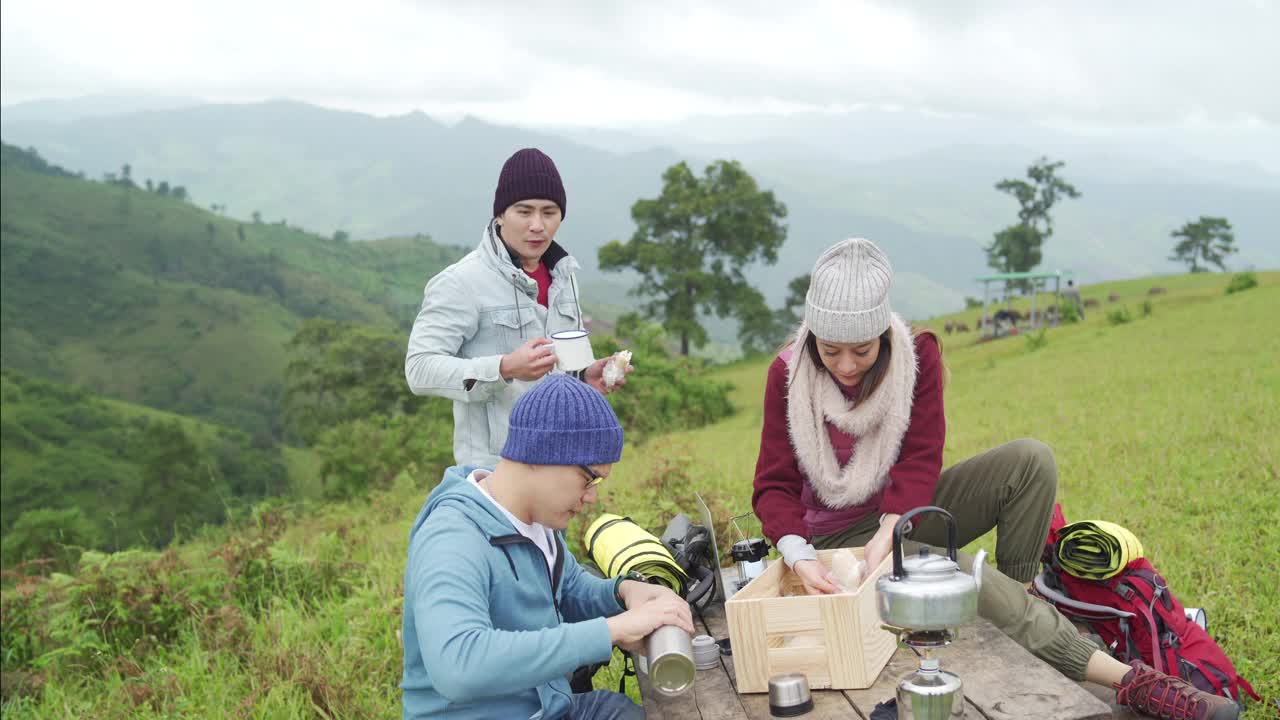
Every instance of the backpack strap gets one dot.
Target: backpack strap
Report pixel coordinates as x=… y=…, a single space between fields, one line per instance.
x=1057 y=598
x=1159 y=588
x=1127 y=590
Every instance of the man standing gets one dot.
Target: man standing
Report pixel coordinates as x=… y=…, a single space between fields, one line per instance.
x=480 y=338
x=496 y=609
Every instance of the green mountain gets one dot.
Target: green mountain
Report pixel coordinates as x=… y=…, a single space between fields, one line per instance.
x=919 y=186
x=153 y=300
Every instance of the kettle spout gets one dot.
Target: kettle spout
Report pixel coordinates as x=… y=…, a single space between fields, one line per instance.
x=978 y=561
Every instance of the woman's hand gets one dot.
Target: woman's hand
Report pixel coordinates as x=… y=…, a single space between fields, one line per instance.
x=817 y=579
x=880 y=544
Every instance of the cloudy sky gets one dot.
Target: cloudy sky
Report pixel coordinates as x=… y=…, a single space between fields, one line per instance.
x=1083 y=64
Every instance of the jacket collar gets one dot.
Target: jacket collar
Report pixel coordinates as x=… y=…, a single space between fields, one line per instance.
x=500 y=257
x=456 y=489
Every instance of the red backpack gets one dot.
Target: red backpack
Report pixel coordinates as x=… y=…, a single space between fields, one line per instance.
x=1137 y=617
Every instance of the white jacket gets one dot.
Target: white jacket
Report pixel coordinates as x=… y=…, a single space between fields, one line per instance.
x=474 y=312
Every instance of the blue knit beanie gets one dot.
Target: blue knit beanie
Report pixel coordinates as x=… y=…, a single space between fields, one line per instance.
x=563 y=421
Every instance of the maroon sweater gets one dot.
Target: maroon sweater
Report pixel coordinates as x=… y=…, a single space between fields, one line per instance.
x=786 y=502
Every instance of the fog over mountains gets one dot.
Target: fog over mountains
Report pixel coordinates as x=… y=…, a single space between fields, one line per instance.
x=920 y=185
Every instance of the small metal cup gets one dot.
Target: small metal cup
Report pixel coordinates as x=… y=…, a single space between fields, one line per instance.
x=669 y=652
x=706 y=653
x=789 y=695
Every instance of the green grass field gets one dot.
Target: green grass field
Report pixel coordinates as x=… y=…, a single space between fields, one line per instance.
x=1166 y=424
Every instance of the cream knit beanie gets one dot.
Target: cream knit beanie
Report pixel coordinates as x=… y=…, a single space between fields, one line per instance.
x=848 y=300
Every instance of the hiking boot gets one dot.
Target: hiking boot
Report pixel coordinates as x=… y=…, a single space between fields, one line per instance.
x=1151 y=692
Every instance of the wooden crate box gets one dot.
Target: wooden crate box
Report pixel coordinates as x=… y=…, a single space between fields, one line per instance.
x=835 y=640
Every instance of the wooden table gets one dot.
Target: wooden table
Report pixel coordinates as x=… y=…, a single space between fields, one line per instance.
x=1002 y=681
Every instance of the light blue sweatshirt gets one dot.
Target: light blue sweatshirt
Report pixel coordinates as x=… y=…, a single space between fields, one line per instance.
x=489 y=630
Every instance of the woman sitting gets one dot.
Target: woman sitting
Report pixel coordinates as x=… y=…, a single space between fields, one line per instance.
x=852 y=439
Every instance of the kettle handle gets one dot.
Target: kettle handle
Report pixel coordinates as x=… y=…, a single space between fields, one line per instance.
x=898 y=571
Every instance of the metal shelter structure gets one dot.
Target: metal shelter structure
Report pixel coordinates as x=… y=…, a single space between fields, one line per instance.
x=1039 y=282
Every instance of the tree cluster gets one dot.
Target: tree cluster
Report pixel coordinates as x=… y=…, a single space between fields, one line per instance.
x=691 y=248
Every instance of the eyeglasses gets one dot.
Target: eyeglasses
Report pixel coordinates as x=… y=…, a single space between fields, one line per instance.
x=595 y=477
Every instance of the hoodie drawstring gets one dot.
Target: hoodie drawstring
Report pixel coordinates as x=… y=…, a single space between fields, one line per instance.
x=573 y=284
x=510 y=562
x=515 y=278
x=515 y=295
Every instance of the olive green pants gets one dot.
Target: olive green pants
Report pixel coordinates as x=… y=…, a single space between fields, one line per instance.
x=1011 y=488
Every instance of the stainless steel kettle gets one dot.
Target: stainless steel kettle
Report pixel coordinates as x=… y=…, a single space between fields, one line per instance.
x=926 y=591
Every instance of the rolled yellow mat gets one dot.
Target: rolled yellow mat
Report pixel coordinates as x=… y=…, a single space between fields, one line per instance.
x=619 y=546
x=1096 y=549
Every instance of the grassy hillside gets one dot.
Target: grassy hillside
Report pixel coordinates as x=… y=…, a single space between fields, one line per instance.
x=155 y=301
x=80 y=471
x=1166 y=424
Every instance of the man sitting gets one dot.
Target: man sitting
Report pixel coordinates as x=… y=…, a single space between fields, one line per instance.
x=496 y=609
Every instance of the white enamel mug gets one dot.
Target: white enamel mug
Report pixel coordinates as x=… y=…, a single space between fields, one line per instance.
x=572 y=349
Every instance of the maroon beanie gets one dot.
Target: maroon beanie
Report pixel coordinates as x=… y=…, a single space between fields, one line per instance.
x=528 y=175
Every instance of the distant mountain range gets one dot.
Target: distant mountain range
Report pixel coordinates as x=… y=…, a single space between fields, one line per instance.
x=919 y=186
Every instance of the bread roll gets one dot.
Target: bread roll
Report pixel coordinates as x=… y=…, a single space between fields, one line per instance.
x=616 y=368
x=848 y=569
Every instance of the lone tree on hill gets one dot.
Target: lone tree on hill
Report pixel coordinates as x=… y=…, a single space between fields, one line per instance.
x=797 y=291
x=692 y=242
x=1017 y=247
x=1209 y=240
x=762 y=330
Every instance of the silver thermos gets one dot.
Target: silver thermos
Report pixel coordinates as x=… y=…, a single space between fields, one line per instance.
x=669 y=657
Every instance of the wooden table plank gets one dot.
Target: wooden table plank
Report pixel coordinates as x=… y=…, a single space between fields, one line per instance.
x=1007 y=682
x=716 y=697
